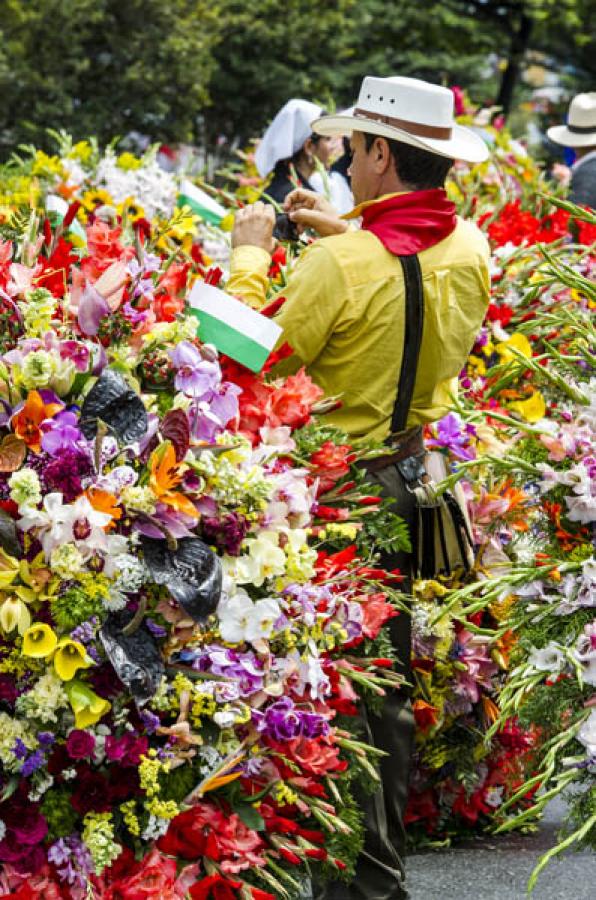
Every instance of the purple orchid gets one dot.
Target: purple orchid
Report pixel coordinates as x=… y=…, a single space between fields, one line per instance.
x=452 y=436
x=195 y=376
x=61 y=433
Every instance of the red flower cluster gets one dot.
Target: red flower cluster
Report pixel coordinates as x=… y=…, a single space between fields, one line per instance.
x=272 y=405
x=517 y=226
x=205 y=830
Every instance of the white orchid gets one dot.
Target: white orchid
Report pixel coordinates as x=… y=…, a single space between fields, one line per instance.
x=64 y=523
x=242 y=619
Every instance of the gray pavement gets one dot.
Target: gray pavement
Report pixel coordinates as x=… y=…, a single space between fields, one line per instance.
x=498 y=868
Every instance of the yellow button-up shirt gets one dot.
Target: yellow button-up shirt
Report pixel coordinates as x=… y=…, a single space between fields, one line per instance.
x=344 y=319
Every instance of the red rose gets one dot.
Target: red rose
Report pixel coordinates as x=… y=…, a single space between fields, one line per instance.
x=80 y=744
x=154 y=876
x=91 y=792
x=315 y=756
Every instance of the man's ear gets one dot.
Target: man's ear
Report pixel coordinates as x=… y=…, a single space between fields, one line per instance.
x=381 y=155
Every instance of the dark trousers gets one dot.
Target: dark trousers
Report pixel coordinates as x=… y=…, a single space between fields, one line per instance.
x=380 y=871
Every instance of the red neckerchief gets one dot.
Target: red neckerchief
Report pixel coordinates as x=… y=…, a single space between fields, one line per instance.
x=409 y=223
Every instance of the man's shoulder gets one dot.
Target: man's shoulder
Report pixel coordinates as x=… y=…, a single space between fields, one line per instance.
x=466 y=244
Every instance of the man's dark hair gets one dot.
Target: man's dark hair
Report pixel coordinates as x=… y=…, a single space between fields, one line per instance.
x=418 y=169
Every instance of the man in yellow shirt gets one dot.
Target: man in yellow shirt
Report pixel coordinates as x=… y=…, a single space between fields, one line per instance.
x=345 y=319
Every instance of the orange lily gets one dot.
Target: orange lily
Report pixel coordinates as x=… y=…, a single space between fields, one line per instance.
x=26 y=423
x=165 y=475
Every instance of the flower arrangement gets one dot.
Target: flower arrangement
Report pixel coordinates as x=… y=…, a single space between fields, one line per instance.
x=180 y=655
x=530 y=388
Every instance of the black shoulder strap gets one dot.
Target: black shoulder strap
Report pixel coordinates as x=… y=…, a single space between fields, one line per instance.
x=414 y=323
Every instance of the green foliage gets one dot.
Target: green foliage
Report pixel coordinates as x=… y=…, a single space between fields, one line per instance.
x=59 y=813
x=104 y=67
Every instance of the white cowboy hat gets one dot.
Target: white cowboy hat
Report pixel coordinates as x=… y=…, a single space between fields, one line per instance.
x=286 y=134
x=411 y=111
x=580 y=130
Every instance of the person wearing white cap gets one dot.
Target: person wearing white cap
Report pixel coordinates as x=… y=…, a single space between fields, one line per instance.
x=382 y=316
x=580 y=134
x=290 y=150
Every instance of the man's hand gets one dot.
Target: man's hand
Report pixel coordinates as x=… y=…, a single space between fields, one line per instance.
x=310 y=210
x=253 y=226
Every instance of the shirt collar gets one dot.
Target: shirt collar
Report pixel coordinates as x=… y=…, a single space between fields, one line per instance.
x=357 y=211
x=584 y=159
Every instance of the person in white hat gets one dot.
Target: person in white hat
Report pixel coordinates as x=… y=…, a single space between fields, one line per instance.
x=290 y=150
x=348 y=317
x=580 y=134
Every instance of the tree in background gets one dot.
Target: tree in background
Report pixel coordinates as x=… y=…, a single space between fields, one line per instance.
x=104 y=68
x=562 y=28
x=194 y=70
x=273 y=50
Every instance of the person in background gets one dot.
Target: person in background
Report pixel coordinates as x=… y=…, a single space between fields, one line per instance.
x=291 y=151
x=580 y=134
x=344 y=317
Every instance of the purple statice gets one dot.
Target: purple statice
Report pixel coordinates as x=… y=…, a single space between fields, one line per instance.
x=64 y=473
x=46 y=738
x=150 y=721
x=283 y=721
x=85 y=632
x=20 y=750
x=72 y=860
x=226 y=534
x=33 y=763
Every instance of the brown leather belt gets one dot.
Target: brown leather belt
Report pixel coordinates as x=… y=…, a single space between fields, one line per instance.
x=409 y=443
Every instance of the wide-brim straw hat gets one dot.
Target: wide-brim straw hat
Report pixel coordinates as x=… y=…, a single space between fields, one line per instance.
x=411 y=111
x=580 y=130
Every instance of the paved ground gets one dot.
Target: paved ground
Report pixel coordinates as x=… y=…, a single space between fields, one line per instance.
x=497 y=868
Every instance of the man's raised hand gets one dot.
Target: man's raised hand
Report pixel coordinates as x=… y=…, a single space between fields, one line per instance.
x=253 y=226
x=310 y=210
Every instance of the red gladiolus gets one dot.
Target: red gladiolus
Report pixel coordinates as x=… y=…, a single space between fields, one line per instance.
x=215 y=887
x=289 y=856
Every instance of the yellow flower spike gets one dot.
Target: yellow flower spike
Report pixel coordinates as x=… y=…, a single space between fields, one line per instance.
x=532 y=410
x=9 y=569
x=86 y=705
x=70 y=657
x=14 y=614
x=39 y=641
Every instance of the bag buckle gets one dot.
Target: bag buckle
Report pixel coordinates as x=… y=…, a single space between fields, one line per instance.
x=412 y=469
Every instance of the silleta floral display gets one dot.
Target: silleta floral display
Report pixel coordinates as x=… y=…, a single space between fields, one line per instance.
x=139 y=470
x=175 y=644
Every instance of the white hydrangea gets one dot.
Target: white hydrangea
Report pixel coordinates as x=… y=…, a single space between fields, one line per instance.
x=132 y=573
x=44 y=700
x=12 y=730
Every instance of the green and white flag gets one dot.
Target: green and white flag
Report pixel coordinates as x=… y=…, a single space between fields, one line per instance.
x=57 y=205
x=201 y=203
x=232 y=327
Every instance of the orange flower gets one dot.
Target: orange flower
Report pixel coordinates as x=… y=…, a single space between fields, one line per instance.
x=26 y=422
x=104 y=502
x=166 y=475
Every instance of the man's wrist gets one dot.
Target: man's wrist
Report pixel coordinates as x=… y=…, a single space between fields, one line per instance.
x=250 y=258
